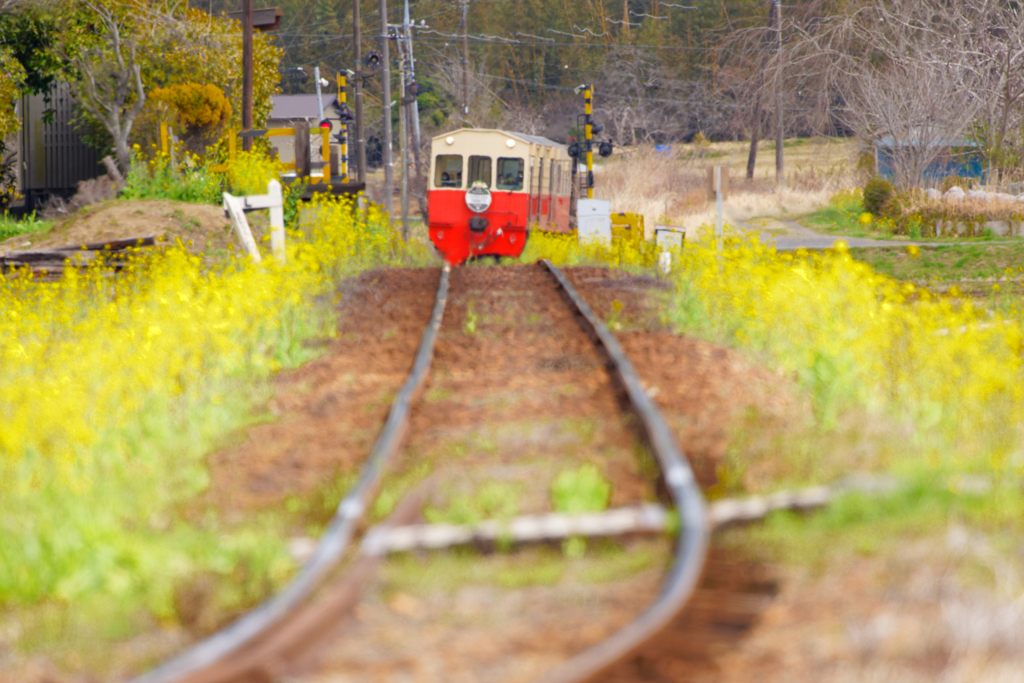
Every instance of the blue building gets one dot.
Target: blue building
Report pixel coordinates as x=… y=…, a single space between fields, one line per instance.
x=958 y=158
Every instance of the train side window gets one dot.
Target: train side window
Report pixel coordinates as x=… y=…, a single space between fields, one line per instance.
x=448 y=170
x=479 y=170
x=510 y=173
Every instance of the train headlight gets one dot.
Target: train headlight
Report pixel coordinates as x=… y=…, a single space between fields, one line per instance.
x=478 y=198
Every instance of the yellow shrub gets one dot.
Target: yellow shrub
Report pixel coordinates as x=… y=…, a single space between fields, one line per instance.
x=251 y=172
x=197 y=106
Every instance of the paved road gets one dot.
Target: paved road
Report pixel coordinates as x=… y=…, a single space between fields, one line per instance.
x=799 y=237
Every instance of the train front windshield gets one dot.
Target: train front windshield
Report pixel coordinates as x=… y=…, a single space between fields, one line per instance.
x=479 y=171
x=448 y=170
x=510 y=173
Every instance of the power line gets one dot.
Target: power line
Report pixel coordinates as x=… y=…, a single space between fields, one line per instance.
x=483 y=38
x=562 y=88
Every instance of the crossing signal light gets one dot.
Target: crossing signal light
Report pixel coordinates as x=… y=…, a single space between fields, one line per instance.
x=605 y=148
x=344 y=113
x=372 y=60
x=574 y=150
x=325 y=124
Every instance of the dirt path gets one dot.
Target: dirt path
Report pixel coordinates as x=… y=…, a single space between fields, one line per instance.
x=519 y=393
x=330 y=410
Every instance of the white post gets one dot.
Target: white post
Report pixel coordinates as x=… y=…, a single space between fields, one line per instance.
x=718 y=207
x=233 y=205
x=319 y=97
x=276 y=219
x=665 y=262
x=273 y=200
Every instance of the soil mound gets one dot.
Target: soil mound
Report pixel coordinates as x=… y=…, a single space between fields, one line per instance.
x=202 y=228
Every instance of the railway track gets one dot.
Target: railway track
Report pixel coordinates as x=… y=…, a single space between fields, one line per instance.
x=284 y=633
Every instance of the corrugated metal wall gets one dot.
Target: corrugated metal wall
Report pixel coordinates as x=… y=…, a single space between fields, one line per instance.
x=54 y=156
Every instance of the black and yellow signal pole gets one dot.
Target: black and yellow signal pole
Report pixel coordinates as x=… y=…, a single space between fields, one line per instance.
x=588 y=134
x=343 y=101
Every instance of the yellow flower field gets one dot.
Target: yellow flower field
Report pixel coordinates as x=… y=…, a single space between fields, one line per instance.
x=855 y=338
x=113 y=389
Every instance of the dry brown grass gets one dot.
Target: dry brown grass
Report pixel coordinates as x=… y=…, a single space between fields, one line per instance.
x=669 y=188
x=967 y=210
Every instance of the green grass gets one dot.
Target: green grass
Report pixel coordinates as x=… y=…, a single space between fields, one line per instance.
x=842 y=217
x=947 y=263
x=448 y=572
x=583 y=489
x=859 y=524
x=12 y=227
x=493 y=500
x=992 y=275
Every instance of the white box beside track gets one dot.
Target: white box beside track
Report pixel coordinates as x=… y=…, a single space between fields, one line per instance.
x=594 y=220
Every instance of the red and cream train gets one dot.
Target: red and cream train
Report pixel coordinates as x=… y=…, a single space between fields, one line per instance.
x=488 y=188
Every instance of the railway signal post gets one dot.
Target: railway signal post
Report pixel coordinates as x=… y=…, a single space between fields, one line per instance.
x=590 y=128
x=342 y=136
x=588 y=134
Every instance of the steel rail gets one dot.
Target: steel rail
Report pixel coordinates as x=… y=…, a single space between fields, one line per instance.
x=335 y=539
x=694 y=532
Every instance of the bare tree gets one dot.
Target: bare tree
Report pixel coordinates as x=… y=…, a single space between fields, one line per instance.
x=901 y=74
x=761 y=78
x=111 y=87
x=479 y=95
x=913 y=110
x=997 y=33
x=523 y=119
x=642 y=101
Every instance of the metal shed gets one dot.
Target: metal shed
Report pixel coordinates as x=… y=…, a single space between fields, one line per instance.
x=53 y=157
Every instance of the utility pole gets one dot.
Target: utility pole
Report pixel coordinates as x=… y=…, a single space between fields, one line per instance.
x=404 y=132
x=780 y=176
x=465 y=59
x=385 y=78
x=247 y=22
x=357 y=39
x=411 y=76
x=319 y=95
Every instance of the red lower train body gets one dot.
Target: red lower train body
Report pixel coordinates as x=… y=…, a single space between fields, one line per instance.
x=502 y=230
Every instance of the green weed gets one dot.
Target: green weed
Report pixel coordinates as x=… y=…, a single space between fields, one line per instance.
x=469 y=326
x=493 y=500
x=584 y=489
x=160 y=179
x=12 y=227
